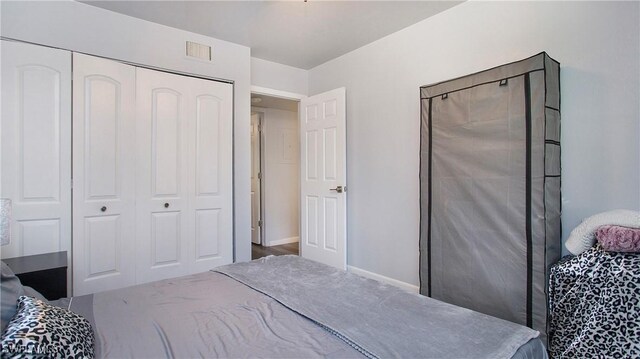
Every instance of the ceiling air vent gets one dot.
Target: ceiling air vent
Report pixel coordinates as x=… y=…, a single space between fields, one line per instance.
x=199 y=51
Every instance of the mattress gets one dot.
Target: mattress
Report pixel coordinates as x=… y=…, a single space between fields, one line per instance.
x=214 y=315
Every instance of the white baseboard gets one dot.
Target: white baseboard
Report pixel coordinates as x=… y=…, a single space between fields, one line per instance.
x=402 y=285
x=282 y=241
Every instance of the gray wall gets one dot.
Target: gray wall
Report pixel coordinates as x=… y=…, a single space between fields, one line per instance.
x=598 y=45
x=275 y=76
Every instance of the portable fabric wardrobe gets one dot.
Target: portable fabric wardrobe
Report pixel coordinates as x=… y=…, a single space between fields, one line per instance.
x=490 y=189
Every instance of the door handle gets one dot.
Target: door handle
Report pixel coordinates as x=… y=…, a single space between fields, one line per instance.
x=339 y=189
x=103 y=209
x=166 y=205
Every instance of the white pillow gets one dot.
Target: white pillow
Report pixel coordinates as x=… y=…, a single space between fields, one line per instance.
x=584 y=235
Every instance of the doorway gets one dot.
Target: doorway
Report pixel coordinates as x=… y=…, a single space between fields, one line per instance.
x=256 y=166
x=275 y=176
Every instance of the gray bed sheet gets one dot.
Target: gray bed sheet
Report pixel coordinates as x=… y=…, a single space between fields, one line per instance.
x=202 y=315
x=210 y=315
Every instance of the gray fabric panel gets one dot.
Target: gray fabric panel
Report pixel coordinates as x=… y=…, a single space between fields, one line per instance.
x=554 y=226
x=553 y=194
x=380 y=319
x=538 y=228
x=539 y=285
x=552 y=69
x=505 y=71
x=552 y=160
x=552 y=244
x=424 y=198
x=467 y=246
x=553 y=125
x=205 y=315
x=478 y=200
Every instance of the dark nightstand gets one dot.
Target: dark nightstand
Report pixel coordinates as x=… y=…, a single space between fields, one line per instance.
x=46 y=273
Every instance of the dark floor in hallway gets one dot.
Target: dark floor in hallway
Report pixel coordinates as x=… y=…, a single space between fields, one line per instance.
x=258 y=251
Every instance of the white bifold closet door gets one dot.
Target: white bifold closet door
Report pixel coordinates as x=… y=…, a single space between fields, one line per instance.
x=184 y=183
x=152 y=175
x=36 y=147
x=103 y=174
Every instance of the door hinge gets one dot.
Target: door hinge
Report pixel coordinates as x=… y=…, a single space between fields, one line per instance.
x=260 y=223
x=259 y=175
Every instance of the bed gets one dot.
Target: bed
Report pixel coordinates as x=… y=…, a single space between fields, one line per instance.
x=290 y=307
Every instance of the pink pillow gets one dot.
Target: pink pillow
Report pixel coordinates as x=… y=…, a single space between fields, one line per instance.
x=618 y=238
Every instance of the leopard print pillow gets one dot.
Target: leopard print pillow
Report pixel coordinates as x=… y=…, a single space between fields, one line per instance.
x=42 y=330
x=594 y=306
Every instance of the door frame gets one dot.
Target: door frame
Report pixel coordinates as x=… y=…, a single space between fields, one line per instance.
x=261 y=144
x=258 y=90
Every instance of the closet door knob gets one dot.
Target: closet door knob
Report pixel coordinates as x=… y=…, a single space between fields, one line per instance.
x=103 y=209
x=166 y=205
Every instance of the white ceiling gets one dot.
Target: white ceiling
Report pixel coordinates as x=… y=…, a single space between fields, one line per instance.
x=296 y=33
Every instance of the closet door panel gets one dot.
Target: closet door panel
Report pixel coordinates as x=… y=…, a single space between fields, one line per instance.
x=165 y=238
x=101 y=245
x=104 y=174
x=36 y=147
x=183 y=175
x=207 y=144
x=211 y=173
x=32 y=232
x=207 y=234
x=39 y=135
x=166 y=122
x=102 y=98
x=162 y=234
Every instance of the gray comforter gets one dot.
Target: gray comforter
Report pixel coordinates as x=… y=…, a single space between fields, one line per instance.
x=377 y=319
x=212 y=315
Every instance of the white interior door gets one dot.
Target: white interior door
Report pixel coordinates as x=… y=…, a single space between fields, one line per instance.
x=255 y=179
x=162 y=223
x=103 y=174
x=36 y=147
x=210 y=136
x=323 y=178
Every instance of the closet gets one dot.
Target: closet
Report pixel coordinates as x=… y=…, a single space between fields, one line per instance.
x=490 y=189
x=183 y=178
x=152 y=166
